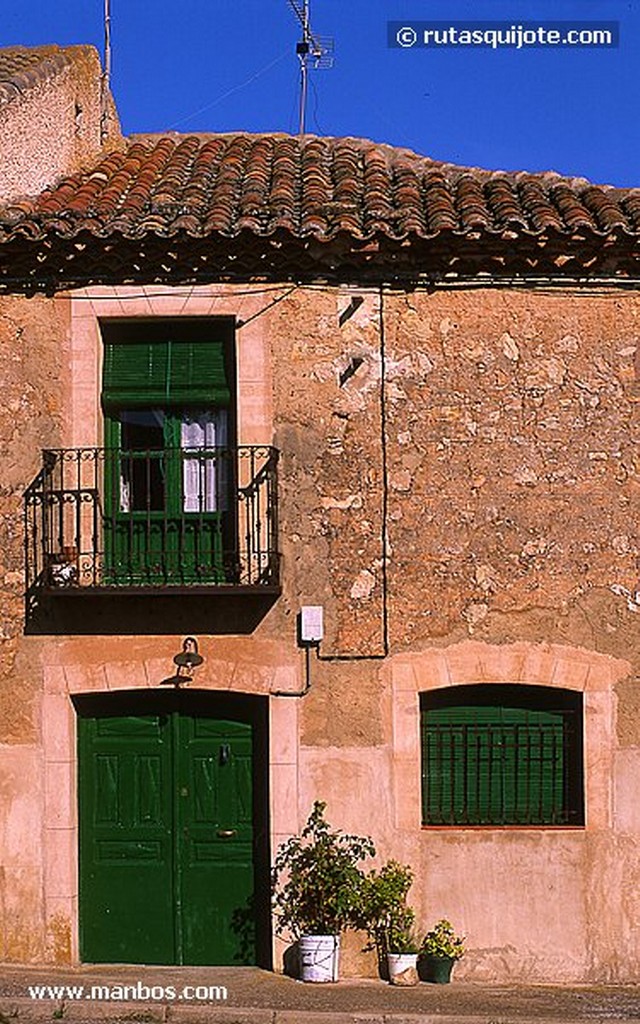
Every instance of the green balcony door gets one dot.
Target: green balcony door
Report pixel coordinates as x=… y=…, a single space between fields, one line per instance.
x=167 y=485
x=166 y=399
x=167 y=844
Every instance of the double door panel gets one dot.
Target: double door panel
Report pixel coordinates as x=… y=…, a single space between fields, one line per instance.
x=167 y=872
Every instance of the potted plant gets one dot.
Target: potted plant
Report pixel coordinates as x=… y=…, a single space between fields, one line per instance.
x=388 y=920
x=439 y=951
x=402 y=953
x=316 y=884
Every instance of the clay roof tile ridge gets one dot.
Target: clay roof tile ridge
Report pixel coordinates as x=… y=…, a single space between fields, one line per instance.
x=24 y=68
x=311 y=186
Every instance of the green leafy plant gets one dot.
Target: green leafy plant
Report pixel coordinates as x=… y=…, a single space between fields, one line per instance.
x=442 y=941
x=316 y=878
x=383 y=911
x=402 y=938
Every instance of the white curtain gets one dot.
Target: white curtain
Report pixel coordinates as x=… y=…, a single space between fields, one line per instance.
x=125 y=492
x=204 y=472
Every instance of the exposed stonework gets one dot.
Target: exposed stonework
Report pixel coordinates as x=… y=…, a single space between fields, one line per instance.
x=36 y=382
x=344 y=707
x=519 y=473
x=507 y=529
x=527 y=467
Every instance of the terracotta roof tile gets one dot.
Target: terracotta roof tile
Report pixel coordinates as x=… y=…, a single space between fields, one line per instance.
x=630 y=206
x=536 y=200
x=310 y=187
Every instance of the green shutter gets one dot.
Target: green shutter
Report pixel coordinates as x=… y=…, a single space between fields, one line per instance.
x=493 y=765
x=180 y=372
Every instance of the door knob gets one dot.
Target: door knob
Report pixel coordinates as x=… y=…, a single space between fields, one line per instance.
x=227 y=833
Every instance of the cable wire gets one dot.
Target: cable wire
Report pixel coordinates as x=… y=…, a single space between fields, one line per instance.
x=230 y=92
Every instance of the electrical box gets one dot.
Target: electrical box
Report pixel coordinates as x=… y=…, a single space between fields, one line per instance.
x=311 y=624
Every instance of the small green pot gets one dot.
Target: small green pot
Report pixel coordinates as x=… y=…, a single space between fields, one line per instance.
x=436 y=969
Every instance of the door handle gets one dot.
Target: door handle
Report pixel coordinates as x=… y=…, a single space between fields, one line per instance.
x=227 y=833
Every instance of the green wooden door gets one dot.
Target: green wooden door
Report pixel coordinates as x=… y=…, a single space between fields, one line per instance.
x=126 y=847
x=215 y=840
x=166 y=396
x=166 y=496
x=167 y=872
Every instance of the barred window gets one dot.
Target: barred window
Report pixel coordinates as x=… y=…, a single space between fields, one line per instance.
x=502 y=755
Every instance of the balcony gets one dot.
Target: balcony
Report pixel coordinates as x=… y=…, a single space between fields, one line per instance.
x=202 y=521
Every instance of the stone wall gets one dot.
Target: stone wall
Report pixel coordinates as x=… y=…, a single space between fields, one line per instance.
x=55 y=126
x=512 y=480
x=490 y=479
x=34 y=335
x=511 y=422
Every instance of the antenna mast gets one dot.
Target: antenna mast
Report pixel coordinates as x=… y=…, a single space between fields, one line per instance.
x=106 y=75
x=313 y=52
x=302 y=49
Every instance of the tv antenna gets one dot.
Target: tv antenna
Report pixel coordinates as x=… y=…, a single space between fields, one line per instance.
x=314 y=52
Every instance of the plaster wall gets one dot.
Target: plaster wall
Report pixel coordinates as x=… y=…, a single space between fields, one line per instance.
x=510 y=424
x=489 y=479
x=22 y=912
x=534 y=903
x=54 y=127
x=58 y=365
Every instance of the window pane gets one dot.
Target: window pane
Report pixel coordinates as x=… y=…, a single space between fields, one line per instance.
x=142 y=470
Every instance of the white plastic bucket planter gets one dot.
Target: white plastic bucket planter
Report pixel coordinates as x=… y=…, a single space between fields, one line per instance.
x=319 y=957
x=402 y=968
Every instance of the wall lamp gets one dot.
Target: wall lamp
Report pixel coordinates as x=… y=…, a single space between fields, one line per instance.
x=187 y=660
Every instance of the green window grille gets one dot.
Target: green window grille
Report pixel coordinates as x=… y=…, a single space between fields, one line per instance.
x=506 y=755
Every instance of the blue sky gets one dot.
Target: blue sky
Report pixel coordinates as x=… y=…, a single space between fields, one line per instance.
x=222 y=65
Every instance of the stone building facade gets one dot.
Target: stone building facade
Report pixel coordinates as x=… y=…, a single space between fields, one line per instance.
x=439 y=364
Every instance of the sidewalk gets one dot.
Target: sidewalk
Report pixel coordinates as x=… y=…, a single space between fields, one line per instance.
x=174 y=996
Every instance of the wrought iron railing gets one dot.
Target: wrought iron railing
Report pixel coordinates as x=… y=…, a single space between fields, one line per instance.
x=108 y=518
